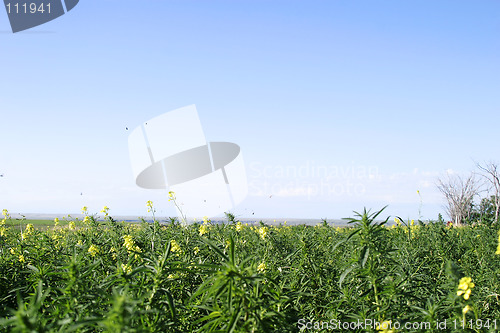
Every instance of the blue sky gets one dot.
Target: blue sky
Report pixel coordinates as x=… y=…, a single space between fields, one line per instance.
x=384 y=95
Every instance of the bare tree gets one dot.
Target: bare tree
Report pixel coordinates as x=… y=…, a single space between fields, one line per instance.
x=491 y=173
x=459 y=194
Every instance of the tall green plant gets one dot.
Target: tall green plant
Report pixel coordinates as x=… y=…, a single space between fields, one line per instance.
x=238 y=297
x=370 y=263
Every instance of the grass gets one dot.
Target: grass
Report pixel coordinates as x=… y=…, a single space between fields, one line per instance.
x=117 y=277
x=45 y=223
x=40 y=224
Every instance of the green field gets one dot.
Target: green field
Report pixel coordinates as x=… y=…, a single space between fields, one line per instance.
x=40 y=224
x=35 y=222
x=119 y=277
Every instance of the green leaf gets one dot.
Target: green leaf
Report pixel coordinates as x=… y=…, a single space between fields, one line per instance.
x=344 y=275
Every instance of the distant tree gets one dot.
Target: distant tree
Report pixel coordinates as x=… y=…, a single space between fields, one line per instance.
x=459 y=194
x=485 y=211
x=491 y=173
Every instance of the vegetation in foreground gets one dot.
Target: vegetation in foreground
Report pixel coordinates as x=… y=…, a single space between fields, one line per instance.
x=118 y=277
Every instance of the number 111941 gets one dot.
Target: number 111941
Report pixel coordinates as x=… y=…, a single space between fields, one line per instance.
x=31 y=8
x=476 y=324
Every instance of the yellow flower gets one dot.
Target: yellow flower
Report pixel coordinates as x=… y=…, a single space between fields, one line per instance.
x=5 y=212
x=263 y=232
x=56 y=221
x=113 y=252
x=127 y=269
x=175 y=246
x=465 y=287
x=130 y=244
x=72 y=225
x=262 y=267
x=105 y=210
x=21 y=258
x=2 y=231
x=498 y=247
x=466 y=309
x=93 y=250
x=149 y=205
x=412 y=223
x=86 y=219
x=196 y=250
x=84 y=210
x=239 y=226
x=204 y=229
x=171 y=196
x=29 y=229
x=385 y=327
x=12 y=251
